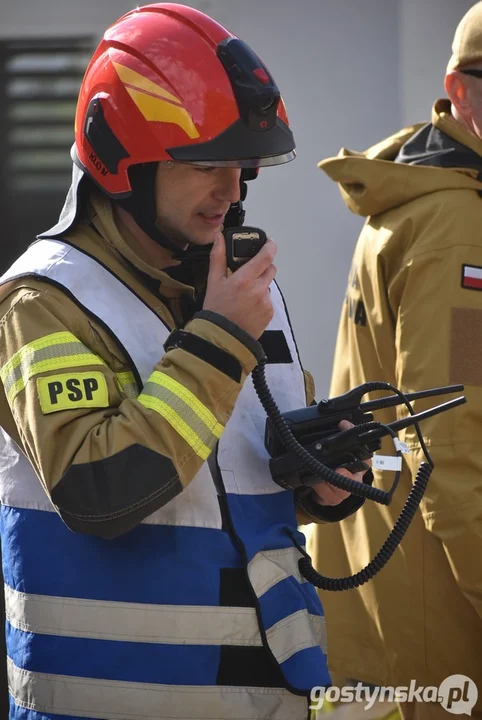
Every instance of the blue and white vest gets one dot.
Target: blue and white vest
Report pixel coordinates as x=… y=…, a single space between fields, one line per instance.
x=136 y=627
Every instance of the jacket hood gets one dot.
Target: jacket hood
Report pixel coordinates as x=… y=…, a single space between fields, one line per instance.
x=416 y=161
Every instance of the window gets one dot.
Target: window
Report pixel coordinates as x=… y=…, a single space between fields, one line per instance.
x=39 y=83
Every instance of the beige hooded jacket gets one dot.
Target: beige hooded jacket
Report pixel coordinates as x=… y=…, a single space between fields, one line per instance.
x=413 y=316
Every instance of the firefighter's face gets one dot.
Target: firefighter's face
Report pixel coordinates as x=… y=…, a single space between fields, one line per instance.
x=192 y=200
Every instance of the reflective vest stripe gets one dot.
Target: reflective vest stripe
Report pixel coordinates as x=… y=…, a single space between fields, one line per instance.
x=131 y=622
x=135 y=622
x=114 y=700
x=269 y=567
x=296 y=632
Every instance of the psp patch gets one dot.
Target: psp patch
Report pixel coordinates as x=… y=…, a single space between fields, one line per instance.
x=472 y=277
x=70 y=391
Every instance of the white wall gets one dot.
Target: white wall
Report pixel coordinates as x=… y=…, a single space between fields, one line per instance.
x=324 y=56
x=53 y=18
x=351 y=72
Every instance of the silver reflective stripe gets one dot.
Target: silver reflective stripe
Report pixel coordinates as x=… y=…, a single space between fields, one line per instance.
x=114 y=700
x=132 y=622
x=296 y=632
x=271 y=566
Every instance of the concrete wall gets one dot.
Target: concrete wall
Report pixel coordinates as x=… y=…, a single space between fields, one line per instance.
x=351 y=72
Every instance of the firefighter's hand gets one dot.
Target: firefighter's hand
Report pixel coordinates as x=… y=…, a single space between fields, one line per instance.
x=242 y=297
x=328 y=494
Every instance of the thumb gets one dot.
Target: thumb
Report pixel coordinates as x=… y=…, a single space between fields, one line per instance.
x=217 y=257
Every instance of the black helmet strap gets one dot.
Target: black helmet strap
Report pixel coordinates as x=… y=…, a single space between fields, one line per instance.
x=141 y=203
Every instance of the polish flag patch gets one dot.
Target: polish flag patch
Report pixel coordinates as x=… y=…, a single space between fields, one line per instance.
x=472 y=277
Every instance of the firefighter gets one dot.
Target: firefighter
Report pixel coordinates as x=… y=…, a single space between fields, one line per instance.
x=148 y=563
x=413 y=317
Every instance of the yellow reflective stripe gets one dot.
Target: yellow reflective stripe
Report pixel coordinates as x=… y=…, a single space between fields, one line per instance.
x=57 y=351
x=177 y=423
x=43 y=342
x=49 y=365
x=127 y=383
x=194 y=422
x=190 y=399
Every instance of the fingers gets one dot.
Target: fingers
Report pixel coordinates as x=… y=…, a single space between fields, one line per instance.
x=329 y=495
x=267 y=277
x=358 y=476
x=217 y=258
x=347 y=425
x=261 y=290
x=243 y=296
x=345 y=473
x=259 y=263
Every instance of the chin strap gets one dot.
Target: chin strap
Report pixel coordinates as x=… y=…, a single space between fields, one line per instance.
x=236 y=214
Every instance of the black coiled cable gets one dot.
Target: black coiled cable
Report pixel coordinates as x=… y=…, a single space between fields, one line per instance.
x=317 y=468
x=310 y=462
x=384 y=554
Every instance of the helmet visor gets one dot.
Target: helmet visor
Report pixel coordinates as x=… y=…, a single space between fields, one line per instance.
x=241 y=146
x=247 y=163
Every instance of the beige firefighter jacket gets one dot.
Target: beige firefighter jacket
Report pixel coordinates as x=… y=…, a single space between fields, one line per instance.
x=413 y=316
x=34 y=314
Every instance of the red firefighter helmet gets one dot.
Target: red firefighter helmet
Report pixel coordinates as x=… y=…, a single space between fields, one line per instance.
x=167 y=82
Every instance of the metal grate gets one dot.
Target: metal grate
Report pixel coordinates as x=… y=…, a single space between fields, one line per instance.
x=39 y=83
